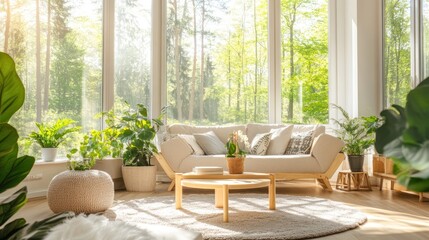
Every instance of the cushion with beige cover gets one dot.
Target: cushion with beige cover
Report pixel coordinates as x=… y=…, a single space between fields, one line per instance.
x=89 y=191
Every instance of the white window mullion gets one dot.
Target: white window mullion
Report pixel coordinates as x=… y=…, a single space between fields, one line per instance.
x=274 y=46
x=108 y=54
x=159 y=88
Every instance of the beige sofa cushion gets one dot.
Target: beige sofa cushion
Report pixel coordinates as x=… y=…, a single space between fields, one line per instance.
x=190 y=139
x=174 y=151
x=279 y=140
x=257 y=128
x=325 y=149
x=255 y=163
x=318 y=129
x=222 y=132
x=210 y=143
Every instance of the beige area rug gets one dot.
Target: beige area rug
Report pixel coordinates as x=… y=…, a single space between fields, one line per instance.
x=296 y=217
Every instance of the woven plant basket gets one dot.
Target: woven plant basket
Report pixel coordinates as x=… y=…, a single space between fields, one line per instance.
x=235 y=165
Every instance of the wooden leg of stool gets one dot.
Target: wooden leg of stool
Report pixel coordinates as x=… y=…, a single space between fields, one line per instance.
x=381 y=184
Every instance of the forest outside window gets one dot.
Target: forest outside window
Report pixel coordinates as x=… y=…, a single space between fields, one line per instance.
x=217 y=63
x=57 y=47
x=304 y=64
x=397 y=51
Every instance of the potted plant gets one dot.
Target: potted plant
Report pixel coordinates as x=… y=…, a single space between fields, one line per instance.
x=50 y=135
x=404 y=137
x=15 y=169
x=137 y=133
x=105 y=145
x=235 y=156
x=358 y=135
x=73 y=190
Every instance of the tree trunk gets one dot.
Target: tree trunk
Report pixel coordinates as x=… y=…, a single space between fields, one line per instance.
x=7 y=28
x=229 y=70
x=177 y=62
x=48 y=61
x=194 y=66
x=38 y=61
x=202 y=62
x=292 y=62
x=255 y=91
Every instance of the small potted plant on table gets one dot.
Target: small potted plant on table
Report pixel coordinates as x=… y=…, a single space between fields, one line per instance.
x=137 y=132
x=50 y=135
x=358 y=135
x=234 y=155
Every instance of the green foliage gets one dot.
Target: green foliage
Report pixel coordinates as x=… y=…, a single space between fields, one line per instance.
x=233 y=145
x=11 y=89
x=404 y=137
x=78 y=162
x=51 y=135
x=12 y=169
x=357 y=133
x=137 y=133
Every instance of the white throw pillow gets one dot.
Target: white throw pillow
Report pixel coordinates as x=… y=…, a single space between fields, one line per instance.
x=260 y=143
x=300 y=143
x=210 y=143
x=191 y=141
x=279 y=140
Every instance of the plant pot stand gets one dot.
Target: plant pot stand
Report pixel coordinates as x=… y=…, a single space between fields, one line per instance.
x=353 y=181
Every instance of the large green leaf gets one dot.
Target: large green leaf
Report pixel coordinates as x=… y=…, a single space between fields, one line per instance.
x=12 y=204
x=417 y=109
x=13 y=175
x=392 y=128
x=39 y=229
x=12 y=91
x=8 y=138
x=11 y=228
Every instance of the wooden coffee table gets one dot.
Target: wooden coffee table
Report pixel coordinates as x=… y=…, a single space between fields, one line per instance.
x=222 y=183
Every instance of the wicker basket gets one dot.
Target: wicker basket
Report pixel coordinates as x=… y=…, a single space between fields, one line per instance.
x=235 y=165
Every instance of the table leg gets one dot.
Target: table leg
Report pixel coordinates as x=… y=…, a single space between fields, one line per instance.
x=272 y=192
x=178 y=190
x=349 y=176
x=219 y=197
x=225 y=190
x=381 y=183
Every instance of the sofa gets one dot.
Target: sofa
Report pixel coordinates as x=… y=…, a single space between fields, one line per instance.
x=317 y=154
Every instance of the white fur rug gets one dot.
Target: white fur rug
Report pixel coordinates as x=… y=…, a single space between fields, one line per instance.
x=296 y=217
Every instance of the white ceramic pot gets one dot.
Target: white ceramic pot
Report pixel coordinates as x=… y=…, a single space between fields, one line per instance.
x=139 y=179
x=49 y=154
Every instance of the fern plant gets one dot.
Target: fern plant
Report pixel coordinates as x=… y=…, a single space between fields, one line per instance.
x=50 y=135
x=357 y=133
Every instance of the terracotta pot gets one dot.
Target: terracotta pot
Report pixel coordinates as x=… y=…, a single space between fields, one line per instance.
x=235 y=165
x=139 y=179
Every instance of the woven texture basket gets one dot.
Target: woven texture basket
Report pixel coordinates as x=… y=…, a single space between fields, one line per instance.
x=88 y=191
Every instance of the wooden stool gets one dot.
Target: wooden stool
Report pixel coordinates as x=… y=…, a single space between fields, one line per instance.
x=353 y=181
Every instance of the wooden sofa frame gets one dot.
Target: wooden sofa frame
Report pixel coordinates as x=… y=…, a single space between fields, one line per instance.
x=322 y=178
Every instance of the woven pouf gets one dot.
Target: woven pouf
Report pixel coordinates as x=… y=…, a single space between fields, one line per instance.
x=89 y=191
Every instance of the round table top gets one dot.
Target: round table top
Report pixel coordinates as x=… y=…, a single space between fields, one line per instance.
x=231 y=183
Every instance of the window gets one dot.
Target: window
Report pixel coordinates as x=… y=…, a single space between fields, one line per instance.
x=217 y=64
x=397 y=51
x=426 y=38
x=132 y=53
x=304 y=64
x=57 y=46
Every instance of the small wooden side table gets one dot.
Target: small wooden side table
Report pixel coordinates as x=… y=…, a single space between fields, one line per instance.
x=353 y=181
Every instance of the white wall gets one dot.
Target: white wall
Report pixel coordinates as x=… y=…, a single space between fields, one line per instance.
x=358 y=76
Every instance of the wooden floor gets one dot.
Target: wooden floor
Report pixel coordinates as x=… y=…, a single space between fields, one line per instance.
x=391 y=214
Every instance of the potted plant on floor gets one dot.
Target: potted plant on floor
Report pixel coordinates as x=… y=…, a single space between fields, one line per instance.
x=51 y=135
x=358 y=135
x=404 y=137
x=137 y=132
x=235 y=156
